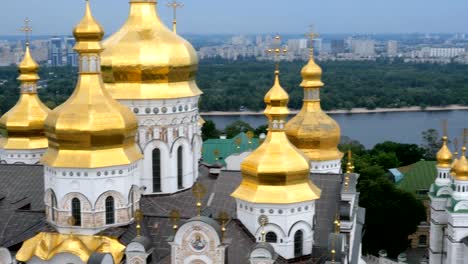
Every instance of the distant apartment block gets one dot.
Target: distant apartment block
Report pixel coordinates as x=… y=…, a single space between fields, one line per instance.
x=392 y=48
x=337 y=46
x=61 y=51
x=363 y=47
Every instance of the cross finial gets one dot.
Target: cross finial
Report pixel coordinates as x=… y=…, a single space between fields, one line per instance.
x=26 y=29
x=263 y=221
x=174 y=5
x=277 y=51
x=312 y=36
x=455 y=144
x=465 y=136
x=445 y=127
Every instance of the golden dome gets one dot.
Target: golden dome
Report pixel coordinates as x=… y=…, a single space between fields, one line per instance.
x=90 y=130
x=146 y=60
x=312 y=130
x=276 y=172
x=461 y=168
x=444 y=156
x=23 y=126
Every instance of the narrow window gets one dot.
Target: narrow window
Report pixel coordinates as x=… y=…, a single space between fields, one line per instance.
x=76 y=211
x=110 y=212
x=180 y=168
x=156 y=170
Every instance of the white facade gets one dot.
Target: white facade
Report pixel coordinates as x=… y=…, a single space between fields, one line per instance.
x=289 y=222
x=329 y=166
x=96 y=190
x=23 y=156
x=167 y=125
x=449 y=220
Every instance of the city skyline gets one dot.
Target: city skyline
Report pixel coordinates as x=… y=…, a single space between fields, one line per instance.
x=245 y=17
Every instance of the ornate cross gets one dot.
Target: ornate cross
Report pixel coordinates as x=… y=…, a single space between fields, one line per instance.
x=199 y=192
x=445 y=127
x=174 y=5
x=263 y=221
x=312 y=36
x=26 y=29
x=277 y=51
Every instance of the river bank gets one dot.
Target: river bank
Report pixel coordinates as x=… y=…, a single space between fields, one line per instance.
x=352 y=111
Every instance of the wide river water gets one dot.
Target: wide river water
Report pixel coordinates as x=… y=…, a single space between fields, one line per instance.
x=373 y=128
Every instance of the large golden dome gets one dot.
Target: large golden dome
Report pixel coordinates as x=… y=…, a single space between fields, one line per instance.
x=90 y=130
x=23 y=126
x=444 y=155
x=146 y=60
x=461 y=168
x=312 y=130
x=276 y=172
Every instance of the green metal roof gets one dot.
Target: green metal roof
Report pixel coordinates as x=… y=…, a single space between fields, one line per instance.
x=215 y=150
x=419 y=178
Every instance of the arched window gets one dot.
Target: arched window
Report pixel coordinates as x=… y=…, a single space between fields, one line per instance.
x=53 y=205
x=110 y=212
x=180 y=168
x=422 y=241
x=76 y=211
x=156 y=170
x=271 y=237
x=298 y=243
x=132 y=203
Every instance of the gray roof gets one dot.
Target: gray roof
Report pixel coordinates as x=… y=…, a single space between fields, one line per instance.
x=22 y=203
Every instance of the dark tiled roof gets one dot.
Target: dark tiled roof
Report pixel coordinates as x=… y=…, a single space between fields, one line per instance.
x=21 y=186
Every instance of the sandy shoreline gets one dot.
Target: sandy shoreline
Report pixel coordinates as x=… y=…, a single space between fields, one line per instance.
x=353 y=111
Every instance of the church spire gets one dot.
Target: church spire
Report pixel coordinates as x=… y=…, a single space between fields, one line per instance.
x=174 y=5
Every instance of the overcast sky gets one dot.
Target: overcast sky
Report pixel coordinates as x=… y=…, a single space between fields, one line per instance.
x=252 y=16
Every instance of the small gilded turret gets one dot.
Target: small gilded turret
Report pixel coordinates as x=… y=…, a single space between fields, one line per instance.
x=312 y=130
x=461 y=168
x=444 y=156
x=276 y=172
x=90 y=130
x=23 y=126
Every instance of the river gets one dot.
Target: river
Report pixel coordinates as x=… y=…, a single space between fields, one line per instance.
x=373 y=128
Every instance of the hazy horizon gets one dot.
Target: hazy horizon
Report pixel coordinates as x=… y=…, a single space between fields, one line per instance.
x=205 y=17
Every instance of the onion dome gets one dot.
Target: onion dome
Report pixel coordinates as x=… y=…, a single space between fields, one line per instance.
x=461 y=168
x=444 y=156
x=90 y=130
x=312 y=130
x=146 y=60
x=276 y=172
x=23 y=126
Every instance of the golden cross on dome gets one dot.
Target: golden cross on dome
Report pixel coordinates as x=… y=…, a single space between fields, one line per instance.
x=455 y=145
x=465 y=136
x=445 y=127
x=174 y=5
x=26 y=29
x=277 y=51
x=312 y=36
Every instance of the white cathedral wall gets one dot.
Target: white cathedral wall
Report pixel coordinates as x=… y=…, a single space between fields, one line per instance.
x=443 y=176
x=27 y=156
x=168 y=124
x=329 y=166
x=92 y=187
x=284 y=220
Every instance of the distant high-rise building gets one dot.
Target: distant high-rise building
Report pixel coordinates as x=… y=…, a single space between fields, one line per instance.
x=337 y=46
x=55 y=51
x=363 y=47
x=318 y=45
x=295 y=45
x=70 y=54
x=392 y=48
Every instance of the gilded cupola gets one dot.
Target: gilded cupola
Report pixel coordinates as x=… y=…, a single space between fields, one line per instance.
x=90 y=130
x=23 y=126
x=461 y=168
x=444 y=155
x=312 y=130
x=146 y=60
x=276 y=172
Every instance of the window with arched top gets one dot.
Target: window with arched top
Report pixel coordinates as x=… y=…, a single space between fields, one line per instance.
x=156 y=170
x=110 y=212
x=53 y=206
x=422 y=241
x=76 y=211
x=132 y=203
x=298 y=243
x=271 y=237
x=180 y=168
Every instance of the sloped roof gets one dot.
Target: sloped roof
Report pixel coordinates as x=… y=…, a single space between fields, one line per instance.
x=227 y=147
x=419 y=178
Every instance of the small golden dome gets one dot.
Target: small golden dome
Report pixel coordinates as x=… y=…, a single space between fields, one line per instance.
x=444 y=156
x=146 y=60
x=312 y=130
x=461 y=168
x=90 y=130
x=276 y=172
x=23 y=126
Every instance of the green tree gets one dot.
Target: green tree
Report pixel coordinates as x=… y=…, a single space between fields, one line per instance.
x=237 y=127
x=261 y=130
x=209 y=130
x=405 y=153
x=391 y=214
